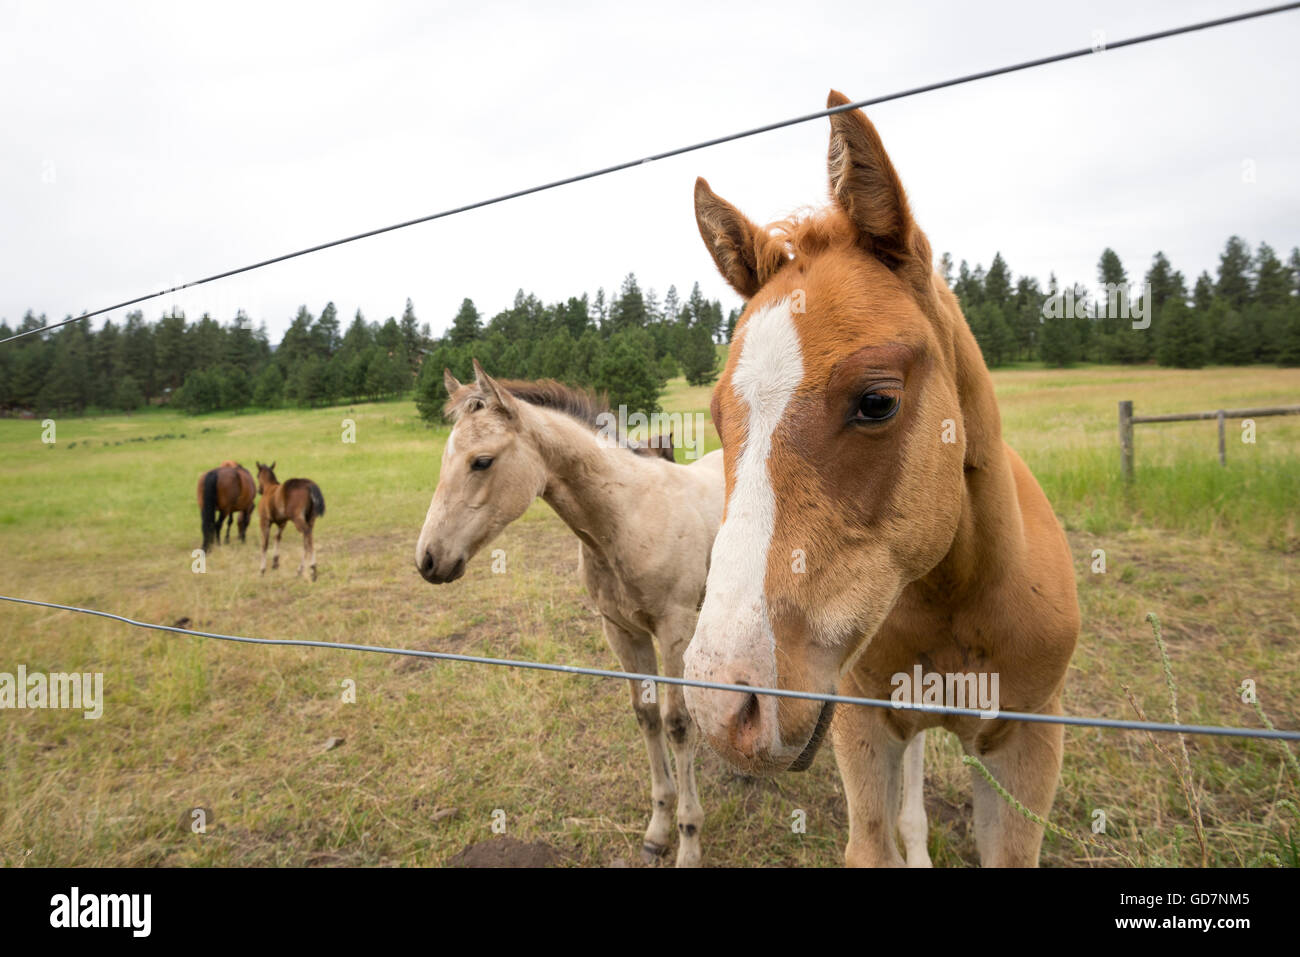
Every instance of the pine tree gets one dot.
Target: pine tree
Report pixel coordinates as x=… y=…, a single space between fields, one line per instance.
x=1234 y=273
x=297 y=345
x=207 y=343
x=997 y=283
x=628 y=311
x=467 y=326
x=699 y=360
x=1026 y=316
x=325 y=333
x=672 y=306
x=625 y=370
x=138 y=353
x=1273 y=280
x=1182 y=337
x=412 y=342
x=1164 y=285
x=171 y=350
x=945 y=269
x=1114 y=344
x=575 y=316
x=1203 y=293
x=357 y=339
x=242 y=347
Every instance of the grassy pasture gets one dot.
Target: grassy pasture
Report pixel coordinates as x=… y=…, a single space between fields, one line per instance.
x=106 y=518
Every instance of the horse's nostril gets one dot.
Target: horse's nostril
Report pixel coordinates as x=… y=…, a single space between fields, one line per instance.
x=748 y=715
x=426 y=563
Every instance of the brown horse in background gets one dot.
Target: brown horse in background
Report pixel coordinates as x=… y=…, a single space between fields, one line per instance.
x=222 y=492
x=298 y=500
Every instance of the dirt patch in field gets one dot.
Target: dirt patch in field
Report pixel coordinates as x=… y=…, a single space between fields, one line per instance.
x=505 y=852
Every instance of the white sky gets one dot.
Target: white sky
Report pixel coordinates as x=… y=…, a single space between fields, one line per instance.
x=142 y=143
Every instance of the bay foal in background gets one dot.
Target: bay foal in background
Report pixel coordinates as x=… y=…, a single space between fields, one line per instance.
x=298 y=500
x=645 y=526
x=861 y=434
x=224 y=491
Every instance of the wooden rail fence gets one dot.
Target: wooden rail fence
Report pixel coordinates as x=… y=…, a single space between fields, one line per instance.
x=1127 y=420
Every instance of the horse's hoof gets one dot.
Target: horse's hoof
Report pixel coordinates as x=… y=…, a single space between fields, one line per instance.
x=651 y=853
x=313 y=574
x=688 y=858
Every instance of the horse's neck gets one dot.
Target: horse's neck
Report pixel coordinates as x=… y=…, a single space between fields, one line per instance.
x=588 y=484
x=990 y=535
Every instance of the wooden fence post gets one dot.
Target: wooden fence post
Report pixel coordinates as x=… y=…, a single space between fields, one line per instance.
x=1126 y=439
x=1223 y=450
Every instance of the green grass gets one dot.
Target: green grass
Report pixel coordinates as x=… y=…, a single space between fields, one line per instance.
x=107 y=518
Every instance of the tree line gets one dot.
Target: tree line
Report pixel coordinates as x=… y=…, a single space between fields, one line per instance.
x=1249 y=312
x=628 y=346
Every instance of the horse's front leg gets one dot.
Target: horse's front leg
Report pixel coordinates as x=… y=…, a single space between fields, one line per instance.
x=275 y=556
x=683 y=736
x=637 y=654
x=266 y=536
x=230 y=523
x=1027 y=762
x=913 y=827
x=870 y=758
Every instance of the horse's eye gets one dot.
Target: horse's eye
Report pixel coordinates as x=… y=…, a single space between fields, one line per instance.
x=482 y=462
x=875 y=407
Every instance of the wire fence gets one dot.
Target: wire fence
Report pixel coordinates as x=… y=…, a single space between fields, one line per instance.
x=1075 y=721
x=1071 y=720
x=681 y=150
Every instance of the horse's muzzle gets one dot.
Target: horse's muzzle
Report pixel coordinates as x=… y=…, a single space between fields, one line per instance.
x=440 y=572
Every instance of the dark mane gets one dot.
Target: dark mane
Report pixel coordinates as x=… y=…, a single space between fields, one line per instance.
x=578 y=404
x=573 y=402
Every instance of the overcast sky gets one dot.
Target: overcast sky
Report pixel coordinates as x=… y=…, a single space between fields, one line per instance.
x=145 y=143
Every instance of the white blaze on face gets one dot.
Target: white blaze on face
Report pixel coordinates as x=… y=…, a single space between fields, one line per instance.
x=733 y=627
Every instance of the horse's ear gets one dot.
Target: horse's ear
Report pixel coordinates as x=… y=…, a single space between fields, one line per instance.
x=744 y=253
x=450 y=381
x=866 y=186
x=493 y=393
x=667 y=450
x=271 y=467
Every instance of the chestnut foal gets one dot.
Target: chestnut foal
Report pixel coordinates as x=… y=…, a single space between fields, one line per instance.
x=298 y=500
x=876 y=520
